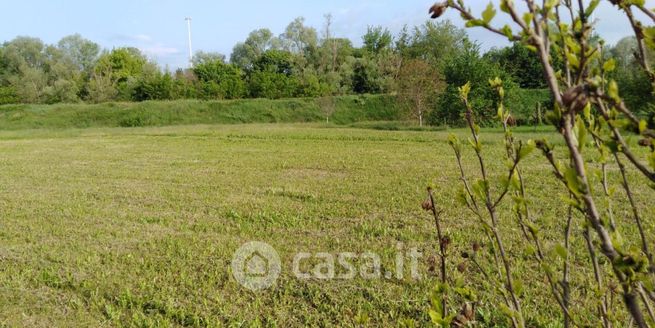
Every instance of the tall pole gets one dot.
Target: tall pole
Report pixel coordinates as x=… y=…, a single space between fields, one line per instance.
x=188 y=22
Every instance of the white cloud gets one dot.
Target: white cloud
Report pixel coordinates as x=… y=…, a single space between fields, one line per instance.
x=142 y=37
x=160 y=50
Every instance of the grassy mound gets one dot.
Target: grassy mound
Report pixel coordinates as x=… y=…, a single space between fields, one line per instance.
x=347 y=110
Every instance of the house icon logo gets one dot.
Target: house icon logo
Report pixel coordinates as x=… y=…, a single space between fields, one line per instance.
x=256 y=266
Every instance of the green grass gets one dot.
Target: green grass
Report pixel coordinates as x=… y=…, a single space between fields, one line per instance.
x=348 y=109
x=137 y=226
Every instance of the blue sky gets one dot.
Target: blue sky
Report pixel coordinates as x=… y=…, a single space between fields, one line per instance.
x=157 y=27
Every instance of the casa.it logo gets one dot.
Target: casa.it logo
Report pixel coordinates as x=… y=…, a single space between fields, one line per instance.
x=256 y=266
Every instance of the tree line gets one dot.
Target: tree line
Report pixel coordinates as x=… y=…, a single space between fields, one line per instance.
x=423 y=65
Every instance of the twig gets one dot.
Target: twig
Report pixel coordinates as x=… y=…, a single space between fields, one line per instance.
x=443 y=243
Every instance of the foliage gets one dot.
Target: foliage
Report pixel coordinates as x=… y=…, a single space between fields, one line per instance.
x=529 y=106
x=418 y=87
x=298 y=38
x=435 y=42
x=377 y=40
x=220 y=80
x=301 y=62
x=521 y=64
x=594 y=124
x=8 y=95
x=154 y=87
x=469 y=66
x=258 y=42
x=273 y=76
x=636 y=88
x=81 y=52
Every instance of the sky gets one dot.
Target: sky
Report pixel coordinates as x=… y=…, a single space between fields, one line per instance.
x=158 y=28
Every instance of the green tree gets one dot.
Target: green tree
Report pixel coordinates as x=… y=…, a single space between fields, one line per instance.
x=155 y=86
x=521 y=63
x=258 y=42
x=469 y=66
x=25 y=67
x=65 y=79
x=202 y=57
x=366 y=76
x=418 y=87
x=219 y=80
x=81 y=52
x=636 y=89
x=127 y=67
x=298 y=38
x=102 y=86
x=377 y=39
x=273 y=77
x=434 y=42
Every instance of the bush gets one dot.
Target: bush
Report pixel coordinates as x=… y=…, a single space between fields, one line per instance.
x=524 y=105
x=8 y=96
x=469 y=66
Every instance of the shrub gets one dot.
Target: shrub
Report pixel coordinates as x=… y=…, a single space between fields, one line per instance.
x=468 y=66
x=594 y=123
x=8 y=96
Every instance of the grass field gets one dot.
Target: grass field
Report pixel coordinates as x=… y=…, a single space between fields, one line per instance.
x=137 y=226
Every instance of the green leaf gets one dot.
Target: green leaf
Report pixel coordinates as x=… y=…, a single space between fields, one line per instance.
x=480 y=189
x=643 y=125
x=504 y=5
x=516 y=182
x=609 y=65
x=489 y=13
x=591 y=8
x=466 y=293
x=551 y=4
x=501 y=112
x=533 y=228
x=587 y=111
x=581 y=132
x=561 y=251
x=507 y=30
x=527 y=18
x=617 y=239
x=546 y=267
x=465 y=90
x=475 y=145
x=435 y=316
x=527 y=149
x=573 y=59
x=474 y=23
x=495 y=82
x=573 y=181
x=504 y=182
x=649 y=32
x=571 y=201
x=573 y=45
x=639 y=3
x=613 y=91
x=507 y=311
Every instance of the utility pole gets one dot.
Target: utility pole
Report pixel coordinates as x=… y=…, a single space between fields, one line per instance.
x=188 y=22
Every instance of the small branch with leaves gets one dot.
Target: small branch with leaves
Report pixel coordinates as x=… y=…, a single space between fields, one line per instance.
x=588 y=112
